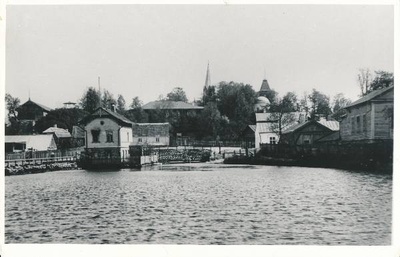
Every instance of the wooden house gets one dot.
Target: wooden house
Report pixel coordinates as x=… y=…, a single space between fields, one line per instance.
x=28 y=113
x=369 y=118
x=307 y=133
x=32 y=111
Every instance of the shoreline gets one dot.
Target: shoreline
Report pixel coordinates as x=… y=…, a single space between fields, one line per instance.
x=374 y=166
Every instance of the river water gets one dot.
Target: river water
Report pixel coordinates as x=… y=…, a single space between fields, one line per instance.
x=200 y=204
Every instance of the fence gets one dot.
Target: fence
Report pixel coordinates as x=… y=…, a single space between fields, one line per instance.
x=208 y=143
x=44 y=154
x=364 y=153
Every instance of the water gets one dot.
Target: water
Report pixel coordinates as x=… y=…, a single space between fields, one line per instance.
x=200 y=204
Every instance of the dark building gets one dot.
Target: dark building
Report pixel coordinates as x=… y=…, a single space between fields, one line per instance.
x=28 y=114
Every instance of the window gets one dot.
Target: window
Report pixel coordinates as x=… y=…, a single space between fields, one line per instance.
x=353 y=125
x=127 y=136
x=364 y=123
x=140 y=140
x=306 y=142
x=358 y=124
x=157 y=139
x=109 y=136
x=272 y=140
x=95 y=135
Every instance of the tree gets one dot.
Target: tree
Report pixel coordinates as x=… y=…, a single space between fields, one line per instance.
x=12 y=103
x=108 y=101
x=121 y=104
x=339 y=102
x=209 y=95
x=90 y=100
x=282 y=111
x=319 y=104
x=63 y=118
x=382 y=79
x=177 y=94
x=136 y=103
x=236 y=102
x=210 y=120
x=364 y=81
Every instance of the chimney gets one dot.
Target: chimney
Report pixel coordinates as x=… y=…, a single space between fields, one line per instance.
x=55 y=125
x=114 y=108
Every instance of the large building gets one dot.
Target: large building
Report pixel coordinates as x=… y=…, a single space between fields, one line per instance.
x=28 y=114
x=370 y=117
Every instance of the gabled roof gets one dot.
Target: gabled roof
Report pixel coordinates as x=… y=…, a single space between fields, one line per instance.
x=331 y=125
x=45 y=108
x=36 y=142
x=370 y=96
x=103 y=112
x=334 y=136
x=170 y=105
x=58 y=132
x=78 y=132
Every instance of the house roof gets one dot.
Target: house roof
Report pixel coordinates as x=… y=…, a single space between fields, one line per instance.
x=150 y=129
x=170 y=105
x=331 y=125
x=252 y=127
x=32 y=102
x=370 y=96
x=265 y=86
x=58 y=132
x=78 y=132
x=334 y=136
x=99 y=112
x=264 y=127
x=36 y=142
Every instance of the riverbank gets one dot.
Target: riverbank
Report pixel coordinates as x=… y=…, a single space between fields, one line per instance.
x=21 y=169
x=369 y=165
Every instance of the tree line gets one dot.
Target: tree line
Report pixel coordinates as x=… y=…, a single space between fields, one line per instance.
x=228 y=108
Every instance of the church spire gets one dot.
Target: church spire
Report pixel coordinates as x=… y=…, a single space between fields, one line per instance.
x=208 y=78
x=207 y=84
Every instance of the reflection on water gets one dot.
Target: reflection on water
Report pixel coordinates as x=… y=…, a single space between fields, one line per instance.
x=200 y=204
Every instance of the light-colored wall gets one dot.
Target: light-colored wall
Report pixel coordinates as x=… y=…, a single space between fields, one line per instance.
x=122 y=136
x=264 y=138
x=163 y=141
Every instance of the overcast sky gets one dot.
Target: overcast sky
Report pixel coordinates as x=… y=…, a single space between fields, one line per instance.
x=56 y=52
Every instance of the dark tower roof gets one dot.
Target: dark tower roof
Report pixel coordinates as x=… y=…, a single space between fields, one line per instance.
x=265 y=86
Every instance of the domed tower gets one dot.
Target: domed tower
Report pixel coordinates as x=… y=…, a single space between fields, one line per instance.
x=262 y=104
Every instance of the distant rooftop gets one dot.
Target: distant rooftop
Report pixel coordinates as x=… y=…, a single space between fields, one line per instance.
x=58 y=132
x=32 y=102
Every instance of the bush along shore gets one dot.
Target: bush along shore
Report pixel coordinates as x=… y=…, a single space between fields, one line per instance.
x=373 y=165
x=20 y=169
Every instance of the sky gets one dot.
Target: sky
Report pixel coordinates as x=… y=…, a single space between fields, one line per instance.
x=54 y=53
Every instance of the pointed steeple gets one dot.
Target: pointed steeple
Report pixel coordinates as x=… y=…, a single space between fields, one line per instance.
x=207 y=84
x=208 y=78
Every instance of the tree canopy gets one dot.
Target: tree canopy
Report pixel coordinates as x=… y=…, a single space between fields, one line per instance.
x=177 y=94
x=90 y=100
